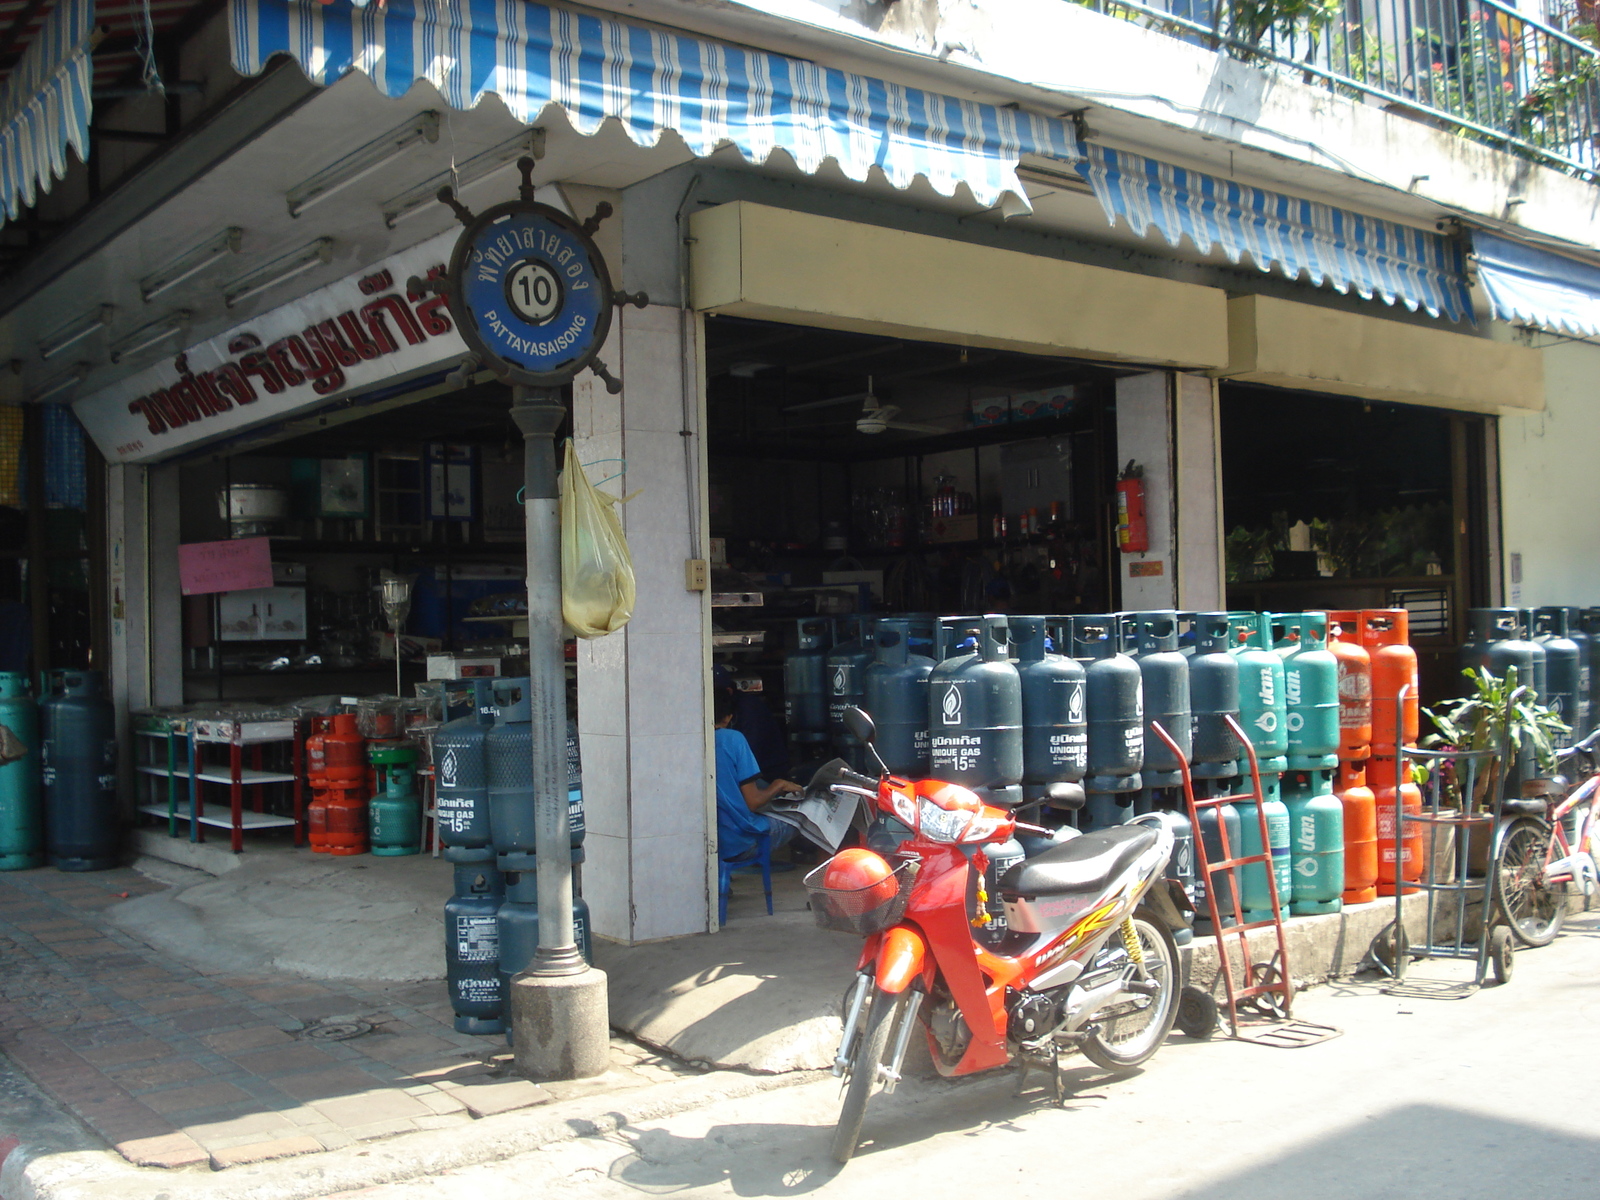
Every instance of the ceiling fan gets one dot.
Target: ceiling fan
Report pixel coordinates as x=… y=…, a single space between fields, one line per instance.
x=876 y=416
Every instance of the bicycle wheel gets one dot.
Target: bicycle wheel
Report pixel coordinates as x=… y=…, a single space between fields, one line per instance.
x=864 y=1059
x=1131 y=1030
x=1533 y=909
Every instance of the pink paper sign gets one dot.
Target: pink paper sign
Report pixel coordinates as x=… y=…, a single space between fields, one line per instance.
x=225 y=566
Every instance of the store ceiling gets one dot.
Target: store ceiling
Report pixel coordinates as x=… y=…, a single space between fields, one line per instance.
x=807 y=388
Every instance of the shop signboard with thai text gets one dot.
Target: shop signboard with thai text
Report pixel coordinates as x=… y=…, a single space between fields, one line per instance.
x=351 y=336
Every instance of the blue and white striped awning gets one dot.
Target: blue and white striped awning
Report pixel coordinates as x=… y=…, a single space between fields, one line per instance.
x=1348 y=251
x=650 y=80
x=1530 y=286
x=45 y=106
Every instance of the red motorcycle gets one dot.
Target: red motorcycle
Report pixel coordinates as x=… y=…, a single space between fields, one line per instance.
x=1086 y=959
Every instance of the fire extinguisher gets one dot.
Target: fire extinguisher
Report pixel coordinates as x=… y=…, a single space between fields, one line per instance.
x=1133 y=532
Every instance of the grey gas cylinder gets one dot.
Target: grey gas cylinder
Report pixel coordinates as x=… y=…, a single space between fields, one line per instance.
x=975 y=717
x=78 y=761
x=1164 y=686
x=461 y=773
x=472 y=942
x=805 y=681
x=1213 y=697
x=846 y=675
x=897 y=698
x=1562 y=666
x=1055 y=724
x=1114 y=700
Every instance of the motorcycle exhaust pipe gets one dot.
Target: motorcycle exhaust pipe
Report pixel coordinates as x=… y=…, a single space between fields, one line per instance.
x=852 y=1018
x=891 y=1073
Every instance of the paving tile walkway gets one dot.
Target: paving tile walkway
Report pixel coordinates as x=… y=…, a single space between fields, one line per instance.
x=175 y=1066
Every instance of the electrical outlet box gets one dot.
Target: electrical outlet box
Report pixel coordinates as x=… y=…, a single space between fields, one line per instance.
x=697 y=574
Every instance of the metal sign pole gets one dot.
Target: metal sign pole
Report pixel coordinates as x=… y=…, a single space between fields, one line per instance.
x=539 y=412
x=532 y=298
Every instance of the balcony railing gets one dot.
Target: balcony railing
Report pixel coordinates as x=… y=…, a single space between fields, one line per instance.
x=1487 y=70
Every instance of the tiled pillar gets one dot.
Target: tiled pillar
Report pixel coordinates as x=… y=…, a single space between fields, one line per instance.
x=643 y=691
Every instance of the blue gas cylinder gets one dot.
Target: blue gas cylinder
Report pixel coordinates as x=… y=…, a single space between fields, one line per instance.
x=1164 y=684
x=508 y=756
x=461 y=774
x=975 y=717
x=1316 y=842
x=1213 y=697
x=21 y=816
x=1585 y=719
x=897 y=698
x=472 y=942
x=78 y=758
x=1001 y=856
x=1055 y=728
x=517 y=925
x=1254 y=894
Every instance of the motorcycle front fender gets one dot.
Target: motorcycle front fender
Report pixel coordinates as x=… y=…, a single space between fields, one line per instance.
x=902 y=957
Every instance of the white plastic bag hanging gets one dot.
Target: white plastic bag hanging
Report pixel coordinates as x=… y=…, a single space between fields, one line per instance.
x=597 y=589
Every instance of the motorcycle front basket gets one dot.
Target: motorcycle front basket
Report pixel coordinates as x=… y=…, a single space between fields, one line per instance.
x=861 y=911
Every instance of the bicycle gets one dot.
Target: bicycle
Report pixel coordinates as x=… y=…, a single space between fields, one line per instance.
x=1537 y=861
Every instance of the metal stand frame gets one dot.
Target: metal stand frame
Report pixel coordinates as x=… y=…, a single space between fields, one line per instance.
x=1449 y=773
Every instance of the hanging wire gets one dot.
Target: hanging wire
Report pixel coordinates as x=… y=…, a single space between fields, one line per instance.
x=146 y=45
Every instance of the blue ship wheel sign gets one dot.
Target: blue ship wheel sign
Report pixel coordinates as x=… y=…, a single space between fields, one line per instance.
x=530 y=291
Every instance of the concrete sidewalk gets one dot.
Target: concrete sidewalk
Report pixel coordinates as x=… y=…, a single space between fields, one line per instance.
x=171 y=1028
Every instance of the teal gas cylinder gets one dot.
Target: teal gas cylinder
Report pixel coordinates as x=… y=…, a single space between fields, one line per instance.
x=394 y=814
x=1254 y=895
x=78 y=770
x=1262 y=711
x=805 y=682
x=21 y=814
x=1316 y=842
x=1310 y=693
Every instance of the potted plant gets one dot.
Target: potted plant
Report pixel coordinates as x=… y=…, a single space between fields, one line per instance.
x=1500 y=715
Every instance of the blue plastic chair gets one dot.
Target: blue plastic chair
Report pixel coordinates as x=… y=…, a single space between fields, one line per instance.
x=761 y=858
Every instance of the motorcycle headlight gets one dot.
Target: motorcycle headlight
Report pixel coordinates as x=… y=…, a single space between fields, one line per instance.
x=943 y=825
x=905 y=807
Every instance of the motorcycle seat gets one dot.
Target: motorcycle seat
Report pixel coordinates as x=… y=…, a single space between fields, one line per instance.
x=1085 y=864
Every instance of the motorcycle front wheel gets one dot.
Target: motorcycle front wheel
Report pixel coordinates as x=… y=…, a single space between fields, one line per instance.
x=867 y=1054
x=1129 y=1031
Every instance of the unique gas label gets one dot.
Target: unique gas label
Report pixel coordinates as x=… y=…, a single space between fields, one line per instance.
x=477 y=939
x=956 y=753
x=474 y=990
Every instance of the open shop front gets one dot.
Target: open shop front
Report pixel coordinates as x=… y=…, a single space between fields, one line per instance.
x=854 y=477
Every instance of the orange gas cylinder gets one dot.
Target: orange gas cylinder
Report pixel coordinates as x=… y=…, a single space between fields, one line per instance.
x=1381 y=772
x=1386 y=634
x=1360 y=834
x=316 y=755
x=1355 y=685
x=317 y=821
x=347 y=820
x=344 y=751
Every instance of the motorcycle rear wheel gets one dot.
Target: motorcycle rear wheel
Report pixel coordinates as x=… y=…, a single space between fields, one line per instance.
x=1123 y=1041
x=871 y=1042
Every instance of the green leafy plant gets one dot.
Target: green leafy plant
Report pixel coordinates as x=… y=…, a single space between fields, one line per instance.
x=1500 y=715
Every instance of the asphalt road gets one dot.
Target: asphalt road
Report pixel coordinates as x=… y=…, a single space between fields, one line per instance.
x=1434 y=1091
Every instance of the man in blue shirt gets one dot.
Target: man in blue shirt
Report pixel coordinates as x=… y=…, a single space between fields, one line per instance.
x=740 y=792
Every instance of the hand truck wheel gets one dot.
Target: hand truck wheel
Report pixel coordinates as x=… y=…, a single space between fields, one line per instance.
x=1197 y=1013
x=1392 y=950
x=1502 y=953
x=1268 y=1004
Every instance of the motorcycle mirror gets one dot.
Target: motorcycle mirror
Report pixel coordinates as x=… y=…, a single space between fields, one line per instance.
x=1068 y=797
x=859 y=724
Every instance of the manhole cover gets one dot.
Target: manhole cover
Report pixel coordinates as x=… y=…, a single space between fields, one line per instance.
x=335 y=1031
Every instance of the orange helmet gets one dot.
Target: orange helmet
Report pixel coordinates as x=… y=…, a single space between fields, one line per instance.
x=863 y=872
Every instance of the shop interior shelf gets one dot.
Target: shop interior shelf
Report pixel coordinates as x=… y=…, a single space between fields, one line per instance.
x=221 y=817
x=247 y=775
